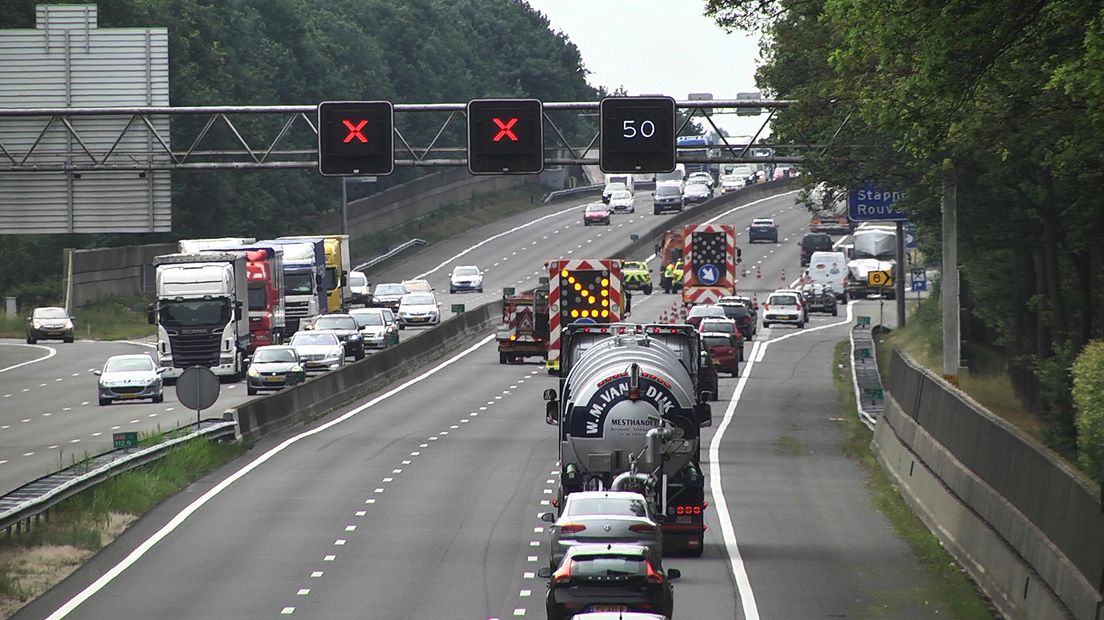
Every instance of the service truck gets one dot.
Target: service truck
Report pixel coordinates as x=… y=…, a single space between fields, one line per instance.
x=873 y=249
x=267 y=293
x=200 y=313
x=304 y=270
x=524 y=329
x=709 y=257
x=669 y=249
x=629 y=415
x=191 y=246
x=582 y=290
x=339 y=295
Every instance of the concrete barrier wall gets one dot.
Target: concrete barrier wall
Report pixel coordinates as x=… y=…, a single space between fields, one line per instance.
x=286 y=408
x=415 y=199
x=1028 y=528
x=114 y=272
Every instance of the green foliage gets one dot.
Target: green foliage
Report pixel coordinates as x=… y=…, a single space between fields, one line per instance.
x=1012 y=95
x=1088 y=397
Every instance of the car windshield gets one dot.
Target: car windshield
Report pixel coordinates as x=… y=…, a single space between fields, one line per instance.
x=607 y=506
x=621 y=196
x=668 y=190
x=308 y=339
x=697 y=187
x=741 y=172
x=466 y=271
x=723 y=327
x=417 y=285
x=275 y=355
x=706 y=311
x=613 y=187
x=50 y=313
x=358 y=279
x=200 y=312
x=784 y=300
x=129 y=364
x=607 y=566
x=418 y=300
x=595 y=208
x=716 y=341
x=364 y=319
x=335 y=322
x=299 y=283
x=390 y=289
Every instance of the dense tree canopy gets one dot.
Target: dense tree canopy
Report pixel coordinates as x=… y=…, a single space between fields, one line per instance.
x=1011 y=93
x=267 y=52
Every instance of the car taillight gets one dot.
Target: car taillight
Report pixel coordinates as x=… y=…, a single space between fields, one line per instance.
x=642 y=528
x=798 y=306
x=571 y=528
x=653 y=575
x=563 y=575
x=766 y=306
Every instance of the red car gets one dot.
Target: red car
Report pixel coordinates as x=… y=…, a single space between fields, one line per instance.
x=596 y=213
x=724 y=351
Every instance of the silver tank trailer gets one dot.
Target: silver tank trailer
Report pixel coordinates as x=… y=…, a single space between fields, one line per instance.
x=618 y=390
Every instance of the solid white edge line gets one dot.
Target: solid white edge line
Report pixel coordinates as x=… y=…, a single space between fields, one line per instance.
x=52 y=352
x=183 y=515
x=728 y=532
x=766 y=343
x=493 y=237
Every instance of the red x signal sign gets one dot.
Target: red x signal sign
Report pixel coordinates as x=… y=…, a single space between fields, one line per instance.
x=356 y=138
x=505 y=130
x=354 y=131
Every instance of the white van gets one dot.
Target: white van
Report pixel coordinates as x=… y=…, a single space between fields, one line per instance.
x=627 y=179
x=829 y=268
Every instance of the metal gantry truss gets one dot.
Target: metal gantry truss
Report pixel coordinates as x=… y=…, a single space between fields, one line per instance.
x=286 y=137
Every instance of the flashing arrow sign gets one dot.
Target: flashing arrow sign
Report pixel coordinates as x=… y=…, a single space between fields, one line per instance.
x=708 y=274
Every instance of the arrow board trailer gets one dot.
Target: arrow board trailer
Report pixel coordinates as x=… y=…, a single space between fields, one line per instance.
x=584 y=290
x=629 y=419
x=709 y=257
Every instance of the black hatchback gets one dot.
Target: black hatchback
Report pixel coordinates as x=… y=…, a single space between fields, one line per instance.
x=814 y=242
x=608 y=578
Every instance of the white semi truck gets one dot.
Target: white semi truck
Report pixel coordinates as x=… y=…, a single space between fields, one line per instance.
x=874 y=249
x=629 y=416
x=201 y=313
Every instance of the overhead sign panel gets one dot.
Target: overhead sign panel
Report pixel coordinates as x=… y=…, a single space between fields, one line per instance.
x=749 y=111
x=871 y=203
x=638 y=134
x=505 y=136
x=356 y=138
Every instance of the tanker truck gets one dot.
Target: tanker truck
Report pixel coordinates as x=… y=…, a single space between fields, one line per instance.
x=629 y=419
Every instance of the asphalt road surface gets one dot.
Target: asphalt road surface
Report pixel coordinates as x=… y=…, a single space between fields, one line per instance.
x=423 y=501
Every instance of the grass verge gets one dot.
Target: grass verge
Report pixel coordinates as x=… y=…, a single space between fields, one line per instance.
x=452 y=219
x=987 y=381
x=33 y=562
x=948 y=591
x=119 y=318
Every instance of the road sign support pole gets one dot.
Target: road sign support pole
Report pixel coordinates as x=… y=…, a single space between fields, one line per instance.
x=344 y=205
x=899 y=275
x=949 y=275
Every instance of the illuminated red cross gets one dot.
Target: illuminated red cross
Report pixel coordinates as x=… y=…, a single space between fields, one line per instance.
x=505 y=129
x=354 y=131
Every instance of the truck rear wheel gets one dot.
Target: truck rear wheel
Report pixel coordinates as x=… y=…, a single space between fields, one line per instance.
x=503 y=358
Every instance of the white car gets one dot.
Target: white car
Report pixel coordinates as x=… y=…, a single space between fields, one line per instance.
x=318 y=350
x=784 y=306
x=697 y=192
x=130 y=377
x=622 y=202
x=375 y=328
x=419 y=309
x=358 y=284
x=466 y=278
x=700 y=177
x=731 y=184
x=611 y=188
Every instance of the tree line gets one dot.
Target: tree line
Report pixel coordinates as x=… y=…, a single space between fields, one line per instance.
x=1002 y=97
x=271 y=52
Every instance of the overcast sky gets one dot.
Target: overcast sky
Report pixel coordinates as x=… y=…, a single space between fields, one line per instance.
x=659 y=47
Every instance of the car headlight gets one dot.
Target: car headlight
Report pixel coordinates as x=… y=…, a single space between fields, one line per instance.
x=36 y=324
x=355 y=336
x=297 y=368
x=332 y=355
x=252 y=372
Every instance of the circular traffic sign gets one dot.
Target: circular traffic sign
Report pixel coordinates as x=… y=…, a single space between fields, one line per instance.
x=197 y=388
x=709 y=274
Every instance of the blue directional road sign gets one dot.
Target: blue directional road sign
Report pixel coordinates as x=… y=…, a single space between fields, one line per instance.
x=874 y=204
x=709 y=274
x=910 y=236
x=919 y=280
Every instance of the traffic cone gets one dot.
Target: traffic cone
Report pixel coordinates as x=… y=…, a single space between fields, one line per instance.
x=783 y=276
x=758 y=273
x=663 y=317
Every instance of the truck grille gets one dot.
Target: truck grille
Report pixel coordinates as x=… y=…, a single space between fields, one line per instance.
x=296 y=308
x=195 y=349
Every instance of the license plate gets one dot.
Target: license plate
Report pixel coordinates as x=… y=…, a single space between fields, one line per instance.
x=274 y=379
x=683 y=519
x=128 y=396
x=607 y=607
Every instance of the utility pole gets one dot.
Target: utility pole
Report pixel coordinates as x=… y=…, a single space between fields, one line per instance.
x=949 y=278
x=344 y=205
x=899 y=275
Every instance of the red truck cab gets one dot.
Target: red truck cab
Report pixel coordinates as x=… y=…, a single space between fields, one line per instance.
x=264 y=274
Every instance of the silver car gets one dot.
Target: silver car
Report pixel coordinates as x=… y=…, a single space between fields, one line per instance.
x=603 y=517
x=130 y=377
x=319 y=350
x=378 y=330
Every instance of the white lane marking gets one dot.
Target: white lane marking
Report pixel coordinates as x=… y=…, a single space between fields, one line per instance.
x=328 y=558
x=144 y=548
x=287 y=611
x=810 y=330
x=736 y=562
x=493 y=237
x=59 y=379
x=148 y=345
x=316 y=574
x=340 y=542
x=525 y=593
x=50 y=352
x=303 y=591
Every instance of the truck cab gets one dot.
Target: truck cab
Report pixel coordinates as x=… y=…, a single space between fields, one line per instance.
x=304 y=270
x=339 y=295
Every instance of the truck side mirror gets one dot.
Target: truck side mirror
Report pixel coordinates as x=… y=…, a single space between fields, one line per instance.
x=551 y=412
x=705 y=414
x=237 y=311
x=549 y=394
x=151 y=314
x=544 y=572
